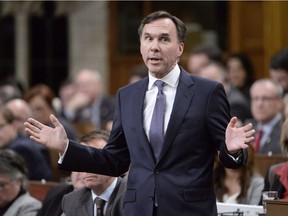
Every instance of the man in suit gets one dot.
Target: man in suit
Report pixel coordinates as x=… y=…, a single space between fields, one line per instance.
x=175 y=178
x=108 y=188
x=37 y=165
x=51 y=205
x=89 y=105
x=266 y=106
x=239 y=105
x=21 y=112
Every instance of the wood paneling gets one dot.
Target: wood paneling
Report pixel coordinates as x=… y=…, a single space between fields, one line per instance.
x=258 y=28
x=246 y=32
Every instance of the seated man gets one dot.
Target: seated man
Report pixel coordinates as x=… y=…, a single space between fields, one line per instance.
x=38 y=168
x=109 y=190
x=52 y=203
x=14 y=198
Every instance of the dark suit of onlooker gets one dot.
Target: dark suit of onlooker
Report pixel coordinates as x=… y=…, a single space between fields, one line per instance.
x=52 y=202
x=80 y=202
x=9 y=138
x=266 y=108
x=36 y=163
x=271 y=145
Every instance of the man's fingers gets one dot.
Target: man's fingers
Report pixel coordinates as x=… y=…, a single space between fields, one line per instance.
x=249 y=139
x=32 y=133
x=248 y=127
x=54 y=120
x=233 y=122
x=35 y=123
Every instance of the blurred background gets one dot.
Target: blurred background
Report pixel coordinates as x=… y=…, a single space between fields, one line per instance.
x=49 y=41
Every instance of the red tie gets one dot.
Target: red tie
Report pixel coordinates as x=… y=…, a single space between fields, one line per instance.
x=258 y=140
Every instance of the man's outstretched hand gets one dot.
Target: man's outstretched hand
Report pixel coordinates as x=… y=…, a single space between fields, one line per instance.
x=54 y=138
x=238 y=138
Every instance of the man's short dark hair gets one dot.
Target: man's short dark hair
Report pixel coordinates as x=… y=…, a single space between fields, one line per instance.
x=97 y=134
x=180 y=26
x=280 y=60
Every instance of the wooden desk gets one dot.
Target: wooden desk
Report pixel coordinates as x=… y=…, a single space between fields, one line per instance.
x=38 y=190
x=263 y=162
x=277 y=207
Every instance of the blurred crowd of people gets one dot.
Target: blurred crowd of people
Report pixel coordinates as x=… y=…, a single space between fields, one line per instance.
x=84 y=109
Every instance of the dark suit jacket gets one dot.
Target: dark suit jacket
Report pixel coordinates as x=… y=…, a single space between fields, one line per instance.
x=52 y=202
x=273 y=143
x=182 y=178
x=38 y=166
x=80 y=202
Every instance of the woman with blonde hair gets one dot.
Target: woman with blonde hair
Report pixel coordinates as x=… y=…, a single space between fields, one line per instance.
x=277 y=176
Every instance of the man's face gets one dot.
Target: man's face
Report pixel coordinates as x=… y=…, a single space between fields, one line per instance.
x=265 y=102
x=160 y=47
x=280 y=76
x=86 y=83
x=93 y=181
x=77 y=180
x=9 y=189
x=196 y=62
x=7 y=132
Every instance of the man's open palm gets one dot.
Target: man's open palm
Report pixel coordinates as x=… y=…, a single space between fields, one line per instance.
x=54 y=138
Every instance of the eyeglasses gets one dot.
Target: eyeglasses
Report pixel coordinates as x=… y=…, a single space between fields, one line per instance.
x=4 y=184
x=264 y=99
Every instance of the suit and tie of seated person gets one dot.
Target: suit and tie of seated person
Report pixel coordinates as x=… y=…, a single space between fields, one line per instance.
x=267 y=118
x=14 y=198
x=107 y=190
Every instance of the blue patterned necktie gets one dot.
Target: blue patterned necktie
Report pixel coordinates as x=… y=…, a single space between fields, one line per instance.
x=156 y=132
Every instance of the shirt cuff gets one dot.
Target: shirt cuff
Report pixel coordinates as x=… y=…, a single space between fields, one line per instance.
x=236 y=157
x=61 y=157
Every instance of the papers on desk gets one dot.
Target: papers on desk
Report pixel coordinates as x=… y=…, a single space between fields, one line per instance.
x=228 y=209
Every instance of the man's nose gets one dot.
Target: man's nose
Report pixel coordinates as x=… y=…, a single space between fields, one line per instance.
x=154 y=46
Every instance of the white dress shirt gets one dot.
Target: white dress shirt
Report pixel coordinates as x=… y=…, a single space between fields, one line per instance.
x=171 y=82
x=104 y=196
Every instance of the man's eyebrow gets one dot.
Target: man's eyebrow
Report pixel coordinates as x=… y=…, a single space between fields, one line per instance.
x=161 y=35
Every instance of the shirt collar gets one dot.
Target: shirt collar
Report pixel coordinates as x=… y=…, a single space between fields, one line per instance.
x=268 y=126
x=172 y=78
x=107 y=193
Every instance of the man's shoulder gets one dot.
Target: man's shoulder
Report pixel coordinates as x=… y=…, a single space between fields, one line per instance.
x=76 y=194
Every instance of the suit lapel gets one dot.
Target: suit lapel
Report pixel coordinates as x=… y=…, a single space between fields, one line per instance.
x=181 y=104
x=87 y=207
